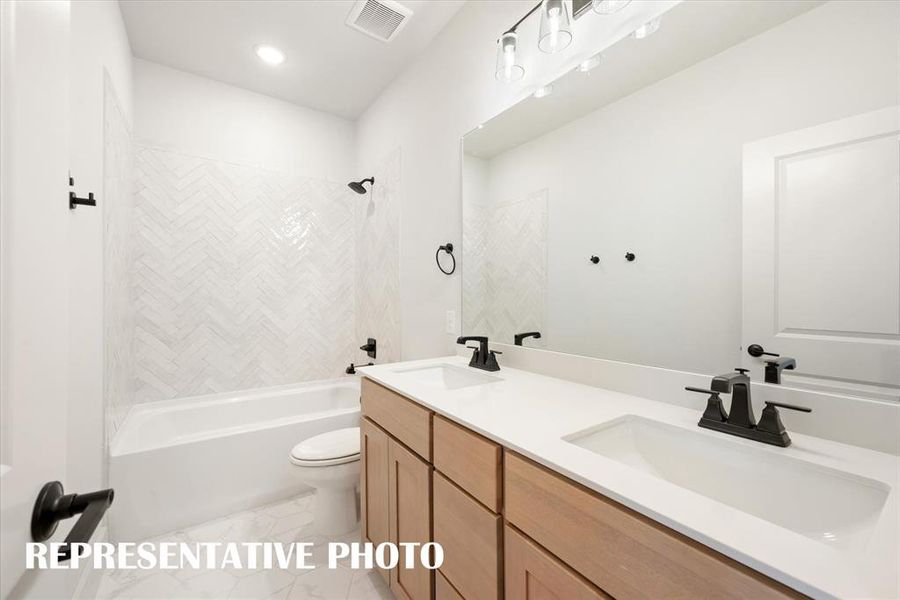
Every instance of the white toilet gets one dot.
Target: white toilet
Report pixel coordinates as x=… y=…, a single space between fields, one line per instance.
x=329 y=462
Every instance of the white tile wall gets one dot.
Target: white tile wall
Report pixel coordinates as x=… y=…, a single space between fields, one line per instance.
x=505 y=268
x=378 y=261
x=242 y=277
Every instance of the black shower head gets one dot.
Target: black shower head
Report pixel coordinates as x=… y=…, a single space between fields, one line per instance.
x=357 y=186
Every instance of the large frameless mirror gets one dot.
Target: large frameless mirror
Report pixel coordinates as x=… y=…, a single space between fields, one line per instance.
x=730 y=180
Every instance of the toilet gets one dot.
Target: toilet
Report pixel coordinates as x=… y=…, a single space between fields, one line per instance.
x=329 y=462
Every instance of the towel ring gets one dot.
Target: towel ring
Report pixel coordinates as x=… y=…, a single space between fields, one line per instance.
x=448 y=248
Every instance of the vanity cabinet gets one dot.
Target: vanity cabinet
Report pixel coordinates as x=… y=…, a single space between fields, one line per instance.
x=512 y=528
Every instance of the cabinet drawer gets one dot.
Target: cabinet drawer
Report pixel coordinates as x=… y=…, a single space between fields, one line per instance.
x=469 y=460
x=622 y=552
x=532 y=573
x=470 y=535
x=402 y=418
x=443 y=590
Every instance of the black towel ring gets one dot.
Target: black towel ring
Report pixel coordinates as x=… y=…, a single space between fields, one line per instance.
x=448 y=248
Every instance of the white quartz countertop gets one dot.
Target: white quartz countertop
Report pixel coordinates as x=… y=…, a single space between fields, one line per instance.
x=531 y=413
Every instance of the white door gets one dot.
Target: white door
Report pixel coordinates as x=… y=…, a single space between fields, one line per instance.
x=821 y=253
x=34 y=217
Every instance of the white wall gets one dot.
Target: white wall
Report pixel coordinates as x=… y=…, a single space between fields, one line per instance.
x=98 y=45
x=669 y=189
x=447 y=92
x=194 y=115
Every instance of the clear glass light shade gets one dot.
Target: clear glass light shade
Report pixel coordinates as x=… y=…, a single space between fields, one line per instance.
x=608 y=7
x=556 y=26
x=646 y=30
x=508 y=67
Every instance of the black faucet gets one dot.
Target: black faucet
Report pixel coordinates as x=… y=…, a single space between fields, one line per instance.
x=741 y=422
x=738 y=385
x=521 y=336
x=773 y=367
x=482 y=357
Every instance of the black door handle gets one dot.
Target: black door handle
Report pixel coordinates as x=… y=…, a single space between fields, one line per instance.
x=53 y=506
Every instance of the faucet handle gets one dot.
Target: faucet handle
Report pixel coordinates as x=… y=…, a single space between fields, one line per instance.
x=789 y=406
x=702 y=391
x=742 y=371
x=715 y=411
x=770 y=424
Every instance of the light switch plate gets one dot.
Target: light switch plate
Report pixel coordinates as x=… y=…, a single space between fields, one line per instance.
x=451 y=321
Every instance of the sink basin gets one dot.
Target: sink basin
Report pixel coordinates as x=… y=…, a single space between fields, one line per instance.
x=831 y=506
x=448 y=377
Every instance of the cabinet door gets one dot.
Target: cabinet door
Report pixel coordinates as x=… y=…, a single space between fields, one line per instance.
x=470 y=536
x=374 y=503
x=532 y=573
x=409 y=499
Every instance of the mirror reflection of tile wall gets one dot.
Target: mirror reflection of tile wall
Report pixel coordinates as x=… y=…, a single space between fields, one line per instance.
x=505 y=273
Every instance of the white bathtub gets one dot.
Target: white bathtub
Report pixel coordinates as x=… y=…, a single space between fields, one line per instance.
x=180 y=462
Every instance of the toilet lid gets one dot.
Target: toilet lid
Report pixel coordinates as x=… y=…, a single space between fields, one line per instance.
x=330 y=448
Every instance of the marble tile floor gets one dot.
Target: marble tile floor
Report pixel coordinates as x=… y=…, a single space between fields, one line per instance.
x=289 y=521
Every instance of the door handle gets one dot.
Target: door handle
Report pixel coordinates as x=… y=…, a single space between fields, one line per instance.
x=53 y=505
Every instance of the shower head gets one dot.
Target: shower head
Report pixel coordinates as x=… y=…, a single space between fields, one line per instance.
x=357 y=186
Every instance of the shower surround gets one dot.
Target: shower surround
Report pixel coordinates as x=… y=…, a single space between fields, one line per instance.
x=245 y=278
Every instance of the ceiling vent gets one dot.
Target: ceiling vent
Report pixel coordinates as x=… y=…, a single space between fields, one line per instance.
x=380 y=19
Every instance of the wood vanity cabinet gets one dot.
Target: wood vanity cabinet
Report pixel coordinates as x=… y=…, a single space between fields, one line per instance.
x=512 y=528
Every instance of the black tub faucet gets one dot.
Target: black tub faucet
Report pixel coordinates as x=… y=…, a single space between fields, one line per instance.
x=482 y=358
x=519 y=337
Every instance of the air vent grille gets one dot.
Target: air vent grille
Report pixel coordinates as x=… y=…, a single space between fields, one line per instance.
x=380 y=19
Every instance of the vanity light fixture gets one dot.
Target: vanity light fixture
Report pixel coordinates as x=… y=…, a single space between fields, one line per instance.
x=646 y=30
x=555 y=35
x=508 y=68
x=269 y=54
x=609 y=7
x=556 y=26
x=543 y=91
x=589 y=64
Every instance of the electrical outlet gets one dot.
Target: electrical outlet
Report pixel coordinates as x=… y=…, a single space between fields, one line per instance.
x=451 y=321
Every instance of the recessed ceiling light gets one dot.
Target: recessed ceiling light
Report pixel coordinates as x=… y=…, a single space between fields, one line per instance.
x=588 y=64
x=269 y=54
x=543 y=92
x=646 y=30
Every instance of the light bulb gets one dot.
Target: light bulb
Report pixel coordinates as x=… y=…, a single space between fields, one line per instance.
x=507 y=68
x=556 y=26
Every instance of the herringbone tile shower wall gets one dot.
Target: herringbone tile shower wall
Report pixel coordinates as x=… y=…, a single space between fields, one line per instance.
x=505 y=268
x=378 y=261
x=242 y=277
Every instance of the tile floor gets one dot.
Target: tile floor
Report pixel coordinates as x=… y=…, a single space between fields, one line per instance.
x=285 y=522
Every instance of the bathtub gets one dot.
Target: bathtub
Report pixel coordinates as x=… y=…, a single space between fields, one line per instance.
x=177 y=463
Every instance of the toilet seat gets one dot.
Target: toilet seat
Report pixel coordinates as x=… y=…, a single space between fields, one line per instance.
x=327 y=449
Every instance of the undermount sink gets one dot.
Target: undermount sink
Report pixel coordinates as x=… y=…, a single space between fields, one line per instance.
x=448 y=377
x=831 y=506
